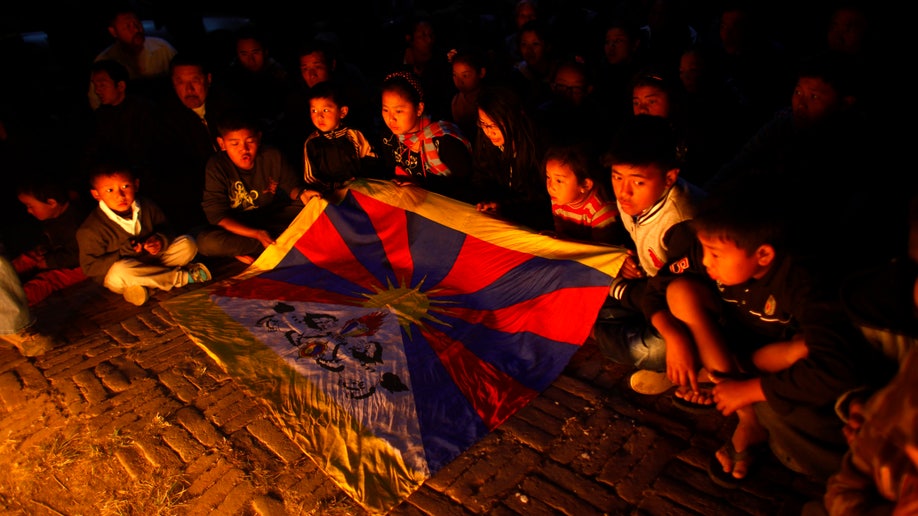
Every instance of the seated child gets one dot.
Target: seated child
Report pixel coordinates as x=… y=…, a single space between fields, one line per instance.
x=54 y=262
x=508 y=178
x=126 y=243
x=765 y=300
x=653 y=203
x=251 y=193
x=580 y=205
x=434 y=154
x=334 y=153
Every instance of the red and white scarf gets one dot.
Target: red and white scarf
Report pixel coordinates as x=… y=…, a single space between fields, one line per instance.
x=424 y=140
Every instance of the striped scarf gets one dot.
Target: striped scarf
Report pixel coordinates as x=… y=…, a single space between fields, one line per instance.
x=430 y=156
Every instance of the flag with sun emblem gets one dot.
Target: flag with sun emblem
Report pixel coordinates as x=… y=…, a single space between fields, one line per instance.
x=393 y=330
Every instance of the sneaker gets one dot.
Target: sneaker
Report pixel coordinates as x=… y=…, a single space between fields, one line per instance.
x=198 y=273
x=650 y=382
x=31 y=343
x=136 y=295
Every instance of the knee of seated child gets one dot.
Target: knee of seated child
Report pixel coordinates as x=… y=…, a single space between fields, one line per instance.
x=684 y=295
x=778 y=356
x=118 y=275
x=182 y=250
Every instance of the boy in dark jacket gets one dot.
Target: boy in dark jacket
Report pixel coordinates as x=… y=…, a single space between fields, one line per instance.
x=53 y=263
x=126 y=243
x=736 y=287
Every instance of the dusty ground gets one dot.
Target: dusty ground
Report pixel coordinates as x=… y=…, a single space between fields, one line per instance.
x=53 y=462
x=54 y=459
x=75 y=472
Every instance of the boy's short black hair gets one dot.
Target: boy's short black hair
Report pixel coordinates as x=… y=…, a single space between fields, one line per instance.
x=236 y=119
x=109 y=167
x=329 y=90
x=578 y=157
x=43 y=188
x=644 y=140
x=745 y=214
x=115 y=70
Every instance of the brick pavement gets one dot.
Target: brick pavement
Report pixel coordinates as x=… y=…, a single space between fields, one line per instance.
x=159 y=408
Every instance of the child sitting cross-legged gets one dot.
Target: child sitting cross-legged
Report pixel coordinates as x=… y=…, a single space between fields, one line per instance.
x=251 y=192
x=126 y=243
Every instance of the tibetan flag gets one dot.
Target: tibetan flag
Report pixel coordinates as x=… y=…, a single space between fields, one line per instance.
x=390 y=332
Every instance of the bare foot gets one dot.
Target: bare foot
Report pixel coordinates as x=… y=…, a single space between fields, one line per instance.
x=699 y=397
x=747 y=437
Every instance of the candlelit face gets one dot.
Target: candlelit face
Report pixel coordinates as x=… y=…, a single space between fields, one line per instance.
x=191 y=85
x=39 y=209
x=532 y=48
x=814 y=100
x=728 y=264
x=570 y=84
x=251 y=54
x=638 y=187
x=525 y=12
x=326 y=115
x=117 y=191
x=465 y=77
x=490 y=129
x=423 y=37
x=127 y=29
x=241 y=146
x=618 y=46
x=400 y=114
x=562 y=184
x=315 y=68
x=109 y=92
x=650 y=100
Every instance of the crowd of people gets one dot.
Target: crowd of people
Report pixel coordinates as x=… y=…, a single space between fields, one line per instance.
x=739 y=150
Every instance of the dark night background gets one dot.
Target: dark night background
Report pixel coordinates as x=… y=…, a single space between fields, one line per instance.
x=46 y=49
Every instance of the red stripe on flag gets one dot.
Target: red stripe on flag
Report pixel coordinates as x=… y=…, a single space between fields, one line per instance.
x=494 y=395
x=324 y=247
x=540 y=315
x=391 y=227
x=478 y=265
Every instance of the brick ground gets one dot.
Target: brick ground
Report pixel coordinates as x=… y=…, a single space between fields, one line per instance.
x=130 y=377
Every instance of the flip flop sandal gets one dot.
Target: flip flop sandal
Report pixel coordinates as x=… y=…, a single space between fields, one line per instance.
x=726 y=479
